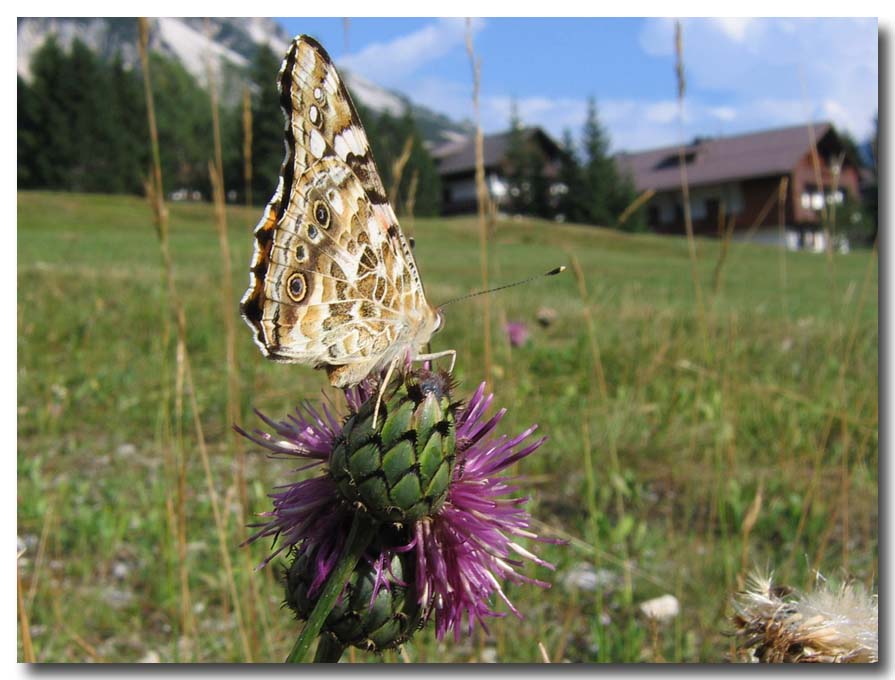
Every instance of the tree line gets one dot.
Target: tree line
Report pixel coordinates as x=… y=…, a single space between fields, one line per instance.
x=587 y=187
x=82 y=127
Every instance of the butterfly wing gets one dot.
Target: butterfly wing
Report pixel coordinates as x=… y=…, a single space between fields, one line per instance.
x=333 y=282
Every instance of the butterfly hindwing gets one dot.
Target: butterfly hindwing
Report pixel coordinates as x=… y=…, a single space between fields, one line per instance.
x=333 y=282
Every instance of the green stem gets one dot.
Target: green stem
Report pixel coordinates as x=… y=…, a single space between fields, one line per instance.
x=358 y=539
x=329 y=649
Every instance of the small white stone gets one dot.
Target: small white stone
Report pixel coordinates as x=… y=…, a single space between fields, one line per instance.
x=151 y=657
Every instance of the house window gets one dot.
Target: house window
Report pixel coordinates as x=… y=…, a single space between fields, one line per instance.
x=813 y=199
x=674 y=160
x=698 y=209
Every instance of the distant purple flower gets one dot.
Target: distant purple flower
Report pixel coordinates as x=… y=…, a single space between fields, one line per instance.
x=517 y=333
x=462 y=552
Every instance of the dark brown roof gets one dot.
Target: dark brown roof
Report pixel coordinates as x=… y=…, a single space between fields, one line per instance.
x=709 y=161
x=459 y=157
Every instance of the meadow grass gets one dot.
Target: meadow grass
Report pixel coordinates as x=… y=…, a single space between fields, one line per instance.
x=746 y=436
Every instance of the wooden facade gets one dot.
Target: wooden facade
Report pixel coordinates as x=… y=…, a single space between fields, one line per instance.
x=736 y=181
x=456 y=166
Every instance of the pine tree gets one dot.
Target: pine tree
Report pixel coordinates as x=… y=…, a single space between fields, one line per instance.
x=55 y=148
x=518 y=166
x=131 y=150
x=607 y=193
x=388 y=135
x=28 y=139
x=598 y=175
x=267 y=123
x=872 y=200
x=571 y=203
x=427 y=199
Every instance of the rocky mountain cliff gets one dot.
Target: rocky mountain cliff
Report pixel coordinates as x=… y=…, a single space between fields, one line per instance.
x=232 y=42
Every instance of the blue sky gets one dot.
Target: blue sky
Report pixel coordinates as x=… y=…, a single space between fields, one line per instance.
x=742 y=74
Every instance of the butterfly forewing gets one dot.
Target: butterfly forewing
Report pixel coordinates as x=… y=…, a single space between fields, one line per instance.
x=333 y=282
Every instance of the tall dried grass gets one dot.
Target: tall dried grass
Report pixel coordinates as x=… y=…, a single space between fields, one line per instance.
x=155 y=193
x=482 y=198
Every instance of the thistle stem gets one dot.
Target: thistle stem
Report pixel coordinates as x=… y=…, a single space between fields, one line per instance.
x=358 y=539
x=329 y=649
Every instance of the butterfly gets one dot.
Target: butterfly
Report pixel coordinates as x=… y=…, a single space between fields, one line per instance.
x=333 y=283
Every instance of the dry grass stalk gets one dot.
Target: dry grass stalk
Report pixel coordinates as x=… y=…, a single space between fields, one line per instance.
x=600 y=376
x=398 y=169
x=175 y=464
x=216 y=173
x=24 y=625
x=62 y=624
x=725 y=233
x=685 y=187
x=634 y=205
x=410 y=203
x=749 y=521
x=247 y=142
x=840 y=415
x=41 y=551
x=481 y=197
x=781 y=221
x=156 y=197
x=777 y=197
x=544 y=657
x=830 y=625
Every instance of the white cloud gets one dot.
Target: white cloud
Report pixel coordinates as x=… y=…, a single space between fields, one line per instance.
x=734 y=28
x=389 y=63
x=830 y=65
x=742 y=75
x=725 y=113
x=663 y=112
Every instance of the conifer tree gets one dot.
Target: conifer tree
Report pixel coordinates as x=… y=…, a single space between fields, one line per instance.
x=571 y=204
x=518 y=166
x=267 y=124
x=607 y=192
x=599 y=176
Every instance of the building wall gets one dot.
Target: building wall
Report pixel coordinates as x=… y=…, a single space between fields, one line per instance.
x=746 y=200
x=741 y=200
x=806 y=194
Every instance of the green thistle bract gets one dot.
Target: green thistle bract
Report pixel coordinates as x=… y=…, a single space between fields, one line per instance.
x=360 y=619
x=399 y=472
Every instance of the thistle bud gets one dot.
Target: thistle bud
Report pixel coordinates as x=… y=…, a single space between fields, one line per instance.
x=359 y=619
x=400 y=470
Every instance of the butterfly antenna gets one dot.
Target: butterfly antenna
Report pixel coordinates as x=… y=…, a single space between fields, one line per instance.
x=552 y=272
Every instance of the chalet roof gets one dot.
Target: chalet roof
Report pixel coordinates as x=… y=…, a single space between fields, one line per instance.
x=709 y=161
x=457 y=157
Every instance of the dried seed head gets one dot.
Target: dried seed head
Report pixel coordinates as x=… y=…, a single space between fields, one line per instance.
x=831 y=625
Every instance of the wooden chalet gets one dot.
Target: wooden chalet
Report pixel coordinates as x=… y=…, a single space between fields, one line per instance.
x=456 y=166
x=736 y=179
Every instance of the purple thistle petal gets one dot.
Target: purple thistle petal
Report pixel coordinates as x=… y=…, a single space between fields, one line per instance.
x=463 y=553
x=468 y=547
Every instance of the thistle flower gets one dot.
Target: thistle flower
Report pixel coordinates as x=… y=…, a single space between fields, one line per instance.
x=517 y=333
x=428 y=478
x=830 y=625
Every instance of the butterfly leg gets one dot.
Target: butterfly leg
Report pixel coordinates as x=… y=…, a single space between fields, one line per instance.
x=452 y=353
x=382 y=387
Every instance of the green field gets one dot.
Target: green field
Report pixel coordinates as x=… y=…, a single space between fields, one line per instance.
x=687 y=445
